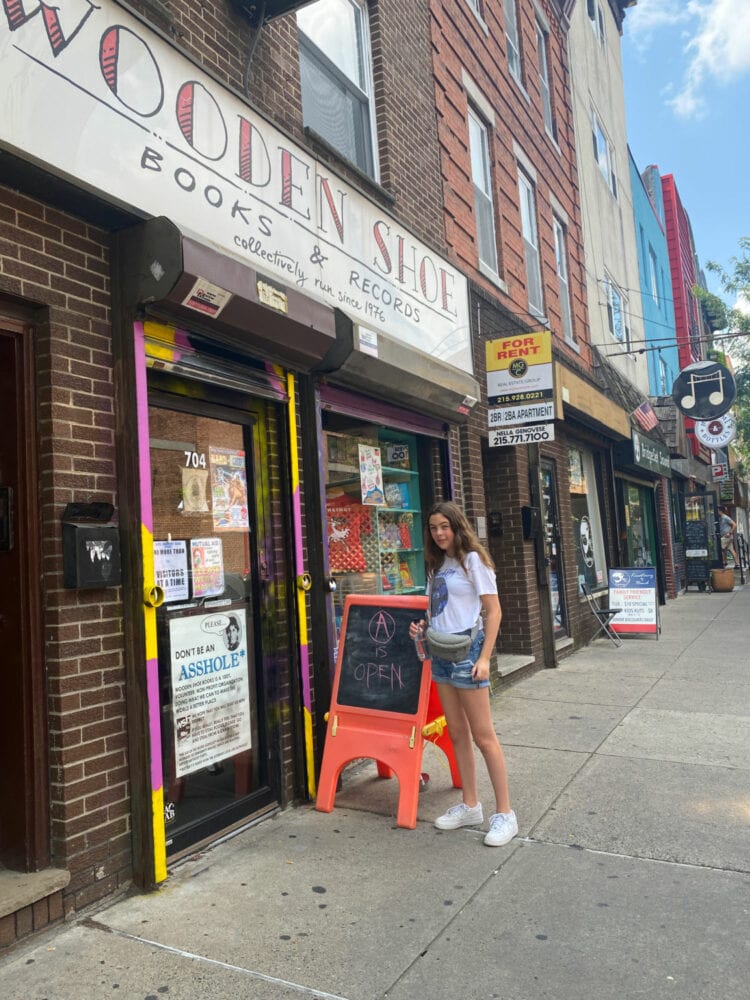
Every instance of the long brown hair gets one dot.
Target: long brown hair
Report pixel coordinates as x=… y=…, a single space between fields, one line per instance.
x=465 y=539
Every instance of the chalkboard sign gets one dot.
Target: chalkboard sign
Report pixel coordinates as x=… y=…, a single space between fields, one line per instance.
x=696 y=536
x=378 y=665
x=697 y=570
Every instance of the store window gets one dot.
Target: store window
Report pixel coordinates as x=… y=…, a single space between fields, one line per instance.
x=638 y=525
x=587 y=528
x=375 y=498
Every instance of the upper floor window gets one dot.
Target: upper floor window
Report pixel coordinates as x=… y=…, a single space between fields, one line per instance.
x=544 y=84
x=596 y=17
x=479 y=149
x=617 y=313
x=663 y=377
x=511 y=38
x=561 y=259
x=653 y=274
x=527 y=198
x=336 y=78
x=603 y=153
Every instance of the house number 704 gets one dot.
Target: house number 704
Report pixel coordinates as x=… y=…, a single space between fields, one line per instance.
x=195 y=461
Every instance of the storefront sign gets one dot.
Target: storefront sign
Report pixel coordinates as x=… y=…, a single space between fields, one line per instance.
x=644 y=453
x=719 y=472
x=94 y=95
x=210 y=689
x=633 y=590
x=171 y=570
x=704 y=390
x=717 y=433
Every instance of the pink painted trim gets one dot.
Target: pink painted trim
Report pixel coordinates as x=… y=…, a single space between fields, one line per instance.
x=141 y=409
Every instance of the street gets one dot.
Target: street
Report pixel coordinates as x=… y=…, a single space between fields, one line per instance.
x=630 y=877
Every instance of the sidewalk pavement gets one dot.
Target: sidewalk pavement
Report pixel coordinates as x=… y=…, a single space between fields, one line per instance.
x=630 y=877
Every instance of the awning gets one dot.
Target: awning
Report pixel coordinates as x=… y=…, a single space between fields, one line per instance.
x=173 y=276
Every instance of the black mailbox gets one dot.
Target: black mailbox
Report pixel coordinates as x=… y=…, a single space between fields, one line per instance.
x=91 y=547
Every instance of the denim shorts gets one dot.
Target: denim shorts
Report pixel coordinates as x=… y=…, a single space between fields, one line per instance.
x=458 y=675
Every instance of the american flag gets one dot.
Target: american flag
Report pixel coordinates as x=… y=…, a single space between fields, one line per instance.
x=645 y=416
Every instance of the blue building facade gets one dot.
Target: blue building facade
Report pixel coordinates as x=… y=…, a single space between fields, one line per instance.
x=655 y=282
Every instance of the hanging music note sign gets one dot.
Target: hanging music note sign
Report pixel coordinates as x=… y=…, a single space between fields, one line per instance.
x=704 y=390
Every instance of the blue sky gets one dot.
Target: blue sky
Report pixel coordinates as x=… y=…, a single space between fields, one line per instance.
x=686 y=67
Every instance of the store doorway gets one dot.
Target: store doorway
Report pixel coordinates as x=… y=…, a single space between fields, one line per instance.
x=552 y=550
x=24 y=796
x=218 y=652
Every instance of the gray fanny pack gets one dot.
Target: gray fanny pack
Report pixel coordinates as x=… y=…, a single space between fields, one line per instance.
x=450 y=645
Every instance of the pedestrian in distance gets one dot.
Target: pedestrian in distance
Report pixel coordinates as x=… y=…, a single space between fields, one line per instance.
x=461 y=585
x=727 y=528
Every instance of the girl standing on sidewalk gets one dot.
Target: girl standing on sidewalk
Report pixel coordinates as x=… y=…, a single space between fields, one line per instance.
x=461 y=584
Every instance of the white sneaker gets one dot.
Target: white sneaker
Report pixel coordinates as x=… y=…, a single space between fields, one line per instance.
x=460 y=815
x=503 y=828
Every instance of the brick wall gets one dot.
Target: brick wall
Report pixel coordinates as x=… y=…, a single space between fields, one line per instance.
x=61 y=266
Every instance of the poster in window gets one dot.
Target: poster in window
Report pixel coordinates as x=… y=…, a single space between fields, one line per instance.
x=229 y=489
x=207 y=564
x=371 y=475
x=171 y=570
x=194 y=491
x=210 y=689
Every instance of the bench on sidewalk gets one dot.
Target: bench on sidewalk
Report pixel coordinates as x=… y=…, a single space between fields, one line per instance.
x=604 y=615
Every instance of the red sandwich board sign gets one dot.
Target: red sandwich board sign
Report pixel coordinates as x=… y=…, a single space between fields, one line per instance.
x=383 y=698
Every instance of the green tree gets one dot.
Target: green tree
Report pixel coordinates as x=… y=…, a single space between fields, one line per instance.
x=735 y=281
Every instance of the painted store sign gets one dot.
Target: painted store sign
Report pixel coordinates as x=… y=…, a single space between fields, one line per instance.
x=90 y=93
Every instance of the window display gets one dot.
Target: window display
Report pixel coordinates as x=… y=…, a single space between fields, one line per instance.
x=584 y=506
x=373 y=512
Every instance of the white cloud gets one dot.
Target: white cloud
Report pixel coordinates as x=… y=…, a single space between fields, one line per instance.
x=717 y=46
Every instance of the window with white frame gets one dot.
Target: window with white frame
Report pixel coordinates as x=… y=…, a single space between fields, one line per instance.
x=511 y=38
x=603 y=153
x=544 y=83
x=653 y=274
x=481 y=176
x=527 y=200
x=336 y=78
x=584 y=508
x=561 y=260
x=617 y=313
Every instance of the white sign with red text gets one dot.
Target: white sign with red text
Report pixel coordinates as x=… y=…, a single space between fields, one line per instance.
x=99 y=99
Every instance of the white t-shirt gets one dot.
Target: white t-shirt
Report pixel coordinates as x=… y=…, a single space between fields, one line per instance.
x=455 y=593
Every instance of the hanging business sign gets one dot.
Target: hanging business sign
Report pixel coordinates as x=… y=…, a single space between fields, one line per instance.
x=704 y=390
x=520 y=393
x=716 y=433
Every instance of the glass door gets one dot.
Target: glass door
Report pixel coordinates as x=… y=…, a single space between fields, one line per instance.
x=214 y=571
x=552 y=551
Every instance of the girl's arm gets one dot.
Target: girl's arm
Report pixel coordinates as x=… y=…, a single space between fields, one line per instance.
x=492 y=618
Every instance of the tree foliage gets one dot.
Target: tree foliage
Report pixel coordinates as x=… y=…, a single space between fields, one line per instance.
x=735 y=281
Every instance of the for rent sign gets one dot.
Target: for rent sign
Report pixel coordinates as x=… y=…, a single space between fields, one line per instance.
x=520 y=389
x=94 y=96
